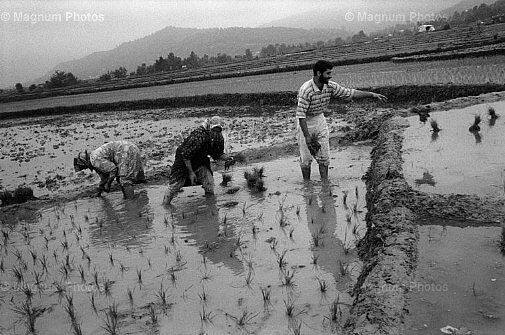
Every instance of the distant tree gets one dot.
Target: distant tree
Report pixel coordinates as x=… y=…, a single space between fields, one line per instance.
x=19 y=87
x=62 y=79
x=105 y=77
x=119 y=73
x=248 y=54
x=32 y=87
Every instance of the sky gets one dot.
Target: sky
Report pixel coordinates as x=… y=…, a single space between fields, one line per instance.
x=36 y=35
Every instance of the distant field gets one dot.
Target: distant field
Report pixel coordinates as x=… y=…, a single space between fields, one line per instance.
x=459 y=71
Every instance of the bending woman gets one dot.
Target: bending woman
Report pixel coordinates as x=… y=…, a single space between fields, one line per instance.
x=192 y=164
x=120 y=160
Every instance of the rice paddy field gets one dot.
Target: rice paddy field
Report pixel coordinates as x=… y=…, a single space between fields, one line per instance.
x=477 y=70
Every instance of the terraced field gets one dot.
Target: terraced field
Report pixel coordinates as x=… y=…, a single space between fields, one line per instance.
x=380 y=50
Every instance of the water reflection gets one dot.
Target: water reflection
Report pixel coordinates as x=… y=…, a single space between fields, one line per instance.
x=213 y=236
x=427 y=179
x=434 y=136
x=478 y=137
x=327 y=250
x=127 y=222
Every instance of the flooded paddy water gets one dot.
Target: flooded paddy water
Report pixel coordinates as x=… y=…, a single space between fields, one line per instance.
x=460 y=281
x=272 y=262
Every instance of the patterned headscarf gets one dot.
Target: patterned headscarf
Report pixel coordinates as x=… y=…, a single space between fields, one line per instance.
x=215 y=121
x=82 y=161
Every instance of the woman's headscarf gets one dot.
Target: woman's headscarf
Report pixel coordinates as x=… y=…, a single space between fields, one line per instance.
x=82 y=161
x=215 y=121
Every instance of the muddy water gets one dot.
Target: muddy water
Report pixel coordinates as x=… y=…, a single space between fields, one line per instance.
x=38 y=152
x=460 y=281
x=456 y=160
x=212 y=256
x=460 y=276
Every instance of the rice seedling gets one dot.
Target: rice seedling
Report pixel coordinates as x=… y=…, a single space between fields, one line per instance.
x=296 y=326
x=287 y=277
x=166 y=250
x=107 y=286
x=244 y=319
x=226 y=179
x=254 y=179
x=281 y=259
x=139 y=276
x=33 y=253
x=173 y=278
x=290 y=307
x=205 y=275
x=19 y=256
x=273 y=245
x=434 y=126
x=344 y=198
x=475 y=126
x=28 y=292
x=291 y=231
x=59 y=289
x=178 y=256
x=64 y=271
x=55 y=256
x=492 y=113
x=206 y=316
x=249 y=277
x=203 y=296
x=502 y=242
x=68 y=261
x=348 y=218
x=18 y=274
x=265 y=293
x=473 y=289
x=162 y=296
x=149 y=264
x=335 y=311
x=2 y=268
x=93 y=303
x=30 y=314
x=315 y=258
x=343 y=268
x=322 y=285
x=254 y=230
x=129 y=294
x=111 y=320
x=316 y=239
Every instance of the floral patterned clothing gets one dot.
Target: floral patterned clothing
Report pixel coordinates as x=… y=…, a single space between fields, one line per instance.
x=123 y=155
x=196 y=148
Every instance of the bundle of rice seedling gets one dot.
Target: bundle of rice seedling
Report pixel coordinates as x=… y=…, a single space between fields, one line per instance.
x=255 y=179
x=314 y=145
x=475 y=126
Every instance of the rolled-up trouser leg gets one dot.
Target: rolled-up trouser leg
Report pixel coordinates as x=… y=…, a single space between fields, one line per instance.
x=173 y=188
x=205 y=177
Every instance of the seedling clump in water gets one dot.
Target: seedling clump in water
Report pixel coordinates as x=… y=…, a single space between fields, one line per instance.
x=475 y=126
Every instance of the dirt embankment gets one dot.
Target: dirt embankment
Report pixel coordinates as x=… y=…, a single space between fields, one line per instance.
x=389 y=248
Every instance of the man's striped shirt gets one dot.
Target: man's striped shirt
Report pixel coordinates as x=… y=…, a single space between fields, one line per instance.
x=312 y=101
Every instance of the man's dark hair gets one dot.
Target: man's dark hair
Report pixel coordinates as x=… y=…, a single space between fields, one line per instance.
x=321 y=66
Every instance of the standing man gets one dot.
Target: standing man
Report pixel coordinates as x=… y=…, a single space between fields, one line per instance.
x=312 y=130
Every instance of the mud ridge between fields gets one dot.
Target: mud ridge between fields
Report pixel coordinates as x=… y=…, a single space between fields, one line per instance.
x=389 y=249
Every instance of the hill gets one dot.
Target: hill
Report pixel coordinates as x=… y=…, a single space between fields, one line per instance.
x=182 y=41
x=371 y=16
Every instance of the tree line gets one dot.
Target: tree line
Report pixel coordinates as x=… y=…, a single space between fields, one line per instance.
x=487 y=14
